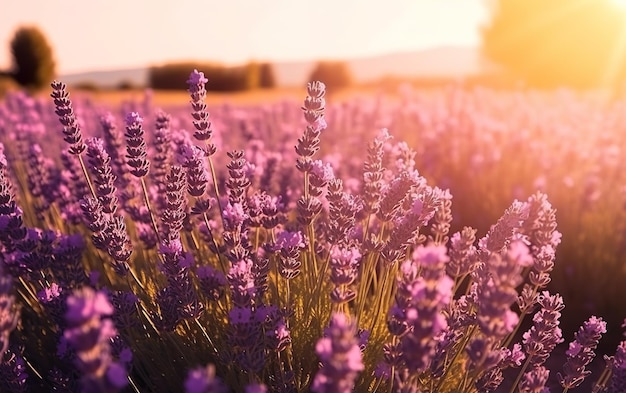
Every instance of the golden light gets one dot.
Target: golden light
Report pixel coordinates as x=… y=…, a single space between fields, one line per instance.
x=619 y=3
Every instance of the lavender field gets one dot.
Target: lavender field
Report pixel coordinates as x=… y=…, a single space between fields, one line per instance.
x=449 y=240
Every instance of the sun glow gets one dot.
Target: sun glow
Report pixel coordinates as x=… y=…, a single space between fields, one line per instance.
x=619 y=3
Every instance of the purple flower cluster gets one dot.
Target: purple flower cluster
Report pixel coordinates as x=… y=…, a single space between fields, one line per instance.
x=71 y=128
x=340 y=357
x=419 y=302
x=8 y=310
x=136 y=150
x=581 y=352
x=87 y=332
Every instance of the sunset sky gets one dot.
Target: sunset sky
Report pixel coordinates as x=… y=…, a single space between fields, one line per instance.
x=104 y=34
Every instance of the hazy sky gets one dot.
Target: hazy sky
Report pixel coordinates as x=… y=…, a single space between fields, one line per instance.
x=101 y=34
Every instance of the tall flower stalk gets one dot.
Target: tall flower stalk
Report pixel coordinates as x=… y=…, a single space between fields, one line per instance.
x=138 y=159
x=309 y=205
x=72 y=133
x=202 y=124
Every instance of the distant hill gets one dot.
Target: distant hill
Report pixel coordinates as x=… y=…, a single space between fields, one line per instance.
x=448 y=61
x=109 y=79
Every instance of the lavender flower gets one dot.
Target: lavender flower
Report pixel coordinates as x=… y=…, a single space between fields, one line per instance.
x=234 y=217
x=342 y=211
x=103 y=177
x=256 y=388
x=192 y=159
x=534 y=380
x=373 y=172
x=200 y=115
x=340 y=356
x=241 y=282
x=581 y=352
x=497 y=291
x=114 y=143
x=203 y=380
x=9 y=314
x=344 y=266
x=88 y=332
x=545 y=334
x=136 y=146
x=176 y=203
x=289 y=244
x=501 y=234
x=162 y=147
x=617 y=383
x=118 y=244
x=308 y=144
x=419 y=302
x=63 y=109
x=212 y=282
x=237 y=183
x=463 y=253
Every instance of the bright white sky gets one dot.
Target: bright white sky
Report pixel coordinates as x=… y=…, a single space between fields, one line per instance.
x=103 y=34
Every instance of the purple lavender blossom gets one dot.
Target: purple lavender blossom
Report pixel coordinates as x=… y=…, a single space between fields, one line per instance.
x=88 y=332
x=234 y=216
x=175 y=202
x=9 y=314
x=617 y=383
x=65 y=112
x=256 y=388
x=103 y=177
x=344 y=266
x=162 y=147
x=212 y=282
x=203 y=380
x=114 y=145
x=242 y=284
x=581 y=352
x=534 y=380
x=497 y=283
x=136 y=150
x=545 y=334
x=463 y=253
x=309 y=142
x=501 y=233
x=340 y=357
x=419 y=302
x=238 y=181
x=192 y=159
x=289 y=244
x=373 y=172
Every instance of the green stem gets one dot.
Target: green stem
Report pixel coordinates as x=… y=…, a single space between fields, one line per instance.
x=217 y=250
x=216 y=189
x=468 y=337
x=84 y=168
x=511 y=335
x=520 y=374
x=152 y=218
x=206 y=335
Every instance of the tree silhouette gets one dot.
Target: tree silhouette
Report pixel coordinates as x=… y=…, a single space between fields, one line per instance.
x=576 y=43
x=267 y=79
x=335 y=74
x=33 y=62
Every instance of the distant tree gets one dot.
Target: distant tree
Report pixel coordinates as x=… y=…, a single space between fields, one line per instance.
x=267 y=79
x=221 y=78
x=557 y=42
x=33 y=61
x=335 y=74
